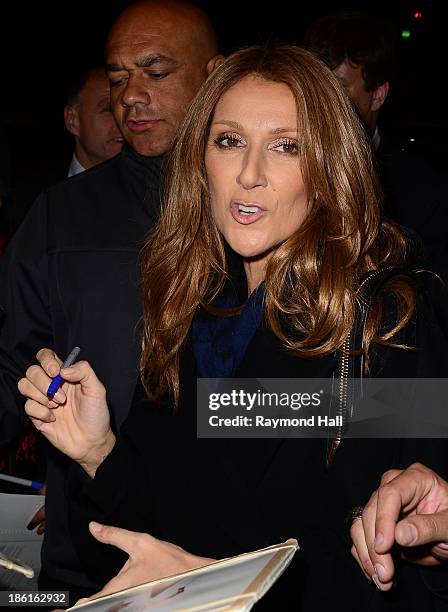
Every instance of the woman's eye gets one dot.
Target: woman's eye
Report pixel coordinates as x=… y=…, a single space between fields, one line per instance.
x=227 y=141
x=291 y=147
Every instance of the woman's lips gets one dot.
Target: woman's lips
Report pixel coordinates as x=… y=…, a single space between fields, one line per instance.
x=246 y=212
x=143 y=125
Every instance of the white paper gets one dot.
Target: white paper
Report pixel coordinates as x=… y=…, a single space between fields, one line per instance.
x=17 y=542
x=234 y=584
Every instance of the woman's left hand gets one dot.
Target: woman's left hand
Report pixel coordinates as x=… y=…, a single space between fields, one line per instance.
x=408 y=510
x=149 y=558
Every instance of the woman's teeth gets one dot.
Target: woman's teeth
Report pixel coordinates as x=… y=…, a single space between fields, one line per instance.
x=247 y=210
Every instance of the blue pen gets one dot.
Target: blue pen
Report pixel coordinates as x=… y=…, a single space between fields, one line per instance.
x=34 y=484
x=58 y=381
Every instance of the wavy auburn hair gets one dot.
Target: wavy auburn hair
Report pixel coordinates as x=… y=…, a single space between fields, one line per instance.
x=313 y=277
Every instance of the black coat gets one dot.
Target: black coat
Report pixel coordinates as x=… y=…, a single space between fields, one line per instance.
x=218 y=497
x=416 y=197
x=71 y=277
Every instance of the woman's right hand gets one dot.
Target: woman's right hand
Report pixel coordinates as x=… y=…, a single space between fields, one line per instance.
x=76 y=421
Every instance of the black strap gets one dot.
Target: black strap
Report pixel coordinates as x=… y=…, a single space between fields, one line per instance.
x=354 y=373
x=370 y=288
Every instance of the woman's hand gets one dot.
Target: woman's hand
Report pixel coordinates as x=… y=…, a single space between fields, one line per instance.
x=410 y=508
x=149 y=558
x=76 y=420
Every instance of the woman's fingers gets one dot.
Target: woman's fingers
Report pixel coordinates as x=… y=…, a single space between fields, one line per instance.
x=38 y=412
x=35 y=386
x=128 y=541
x=36 y=382
x=82 y=373
x=30 y=391
x=49 y=361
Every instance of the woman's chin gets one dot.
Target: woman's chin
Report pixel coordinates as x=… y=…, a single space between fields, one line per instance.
x=251 y=252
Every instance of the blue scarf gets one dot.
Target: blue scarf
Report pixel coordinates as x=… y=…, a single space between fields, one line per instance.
x=219 y=342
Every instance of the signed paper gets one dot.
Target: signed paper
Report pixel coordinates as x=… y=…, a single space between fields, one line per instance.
x=231 y=584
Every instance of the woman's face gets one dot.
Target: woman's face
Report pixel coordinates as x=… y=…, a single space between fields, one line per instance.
x=257 y=193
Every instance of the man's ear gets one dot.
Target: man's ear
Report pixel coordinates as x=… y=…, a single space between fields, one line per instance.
x=71 y=119
x=214 y=63
x=379 y=96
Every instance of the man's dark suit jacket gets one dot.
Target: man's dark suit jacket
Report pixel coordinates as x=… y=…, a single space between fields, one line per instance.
x=71 y=278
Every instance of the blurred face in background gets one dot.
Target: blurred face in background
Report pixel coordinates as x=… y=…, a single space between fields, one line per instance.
x=252 y=160
x=90 y=120
x=368 y=103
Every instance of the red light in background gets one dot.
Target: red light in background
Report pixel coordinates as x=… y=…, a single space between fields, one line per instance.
x=417 y=14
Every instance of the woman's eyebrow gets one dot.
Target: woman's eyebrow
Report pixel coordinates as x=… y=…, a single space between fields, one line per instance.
x=237 y=126
x=228 y=123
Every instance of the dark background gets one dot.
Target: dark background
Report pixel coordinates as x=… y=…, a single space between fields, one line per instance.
x=42 y=43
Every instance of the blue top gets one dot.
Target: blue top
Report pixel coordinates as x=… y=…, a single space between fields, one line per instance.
x=219 y=342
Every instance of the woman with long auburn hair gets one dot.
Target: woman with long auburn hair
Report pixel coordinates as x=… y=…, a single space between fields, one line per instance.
x=271 y=260
x=312 y=277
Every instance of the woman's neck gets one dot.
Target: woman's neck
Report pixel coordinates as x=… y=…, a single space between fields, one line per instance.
x=255 y=273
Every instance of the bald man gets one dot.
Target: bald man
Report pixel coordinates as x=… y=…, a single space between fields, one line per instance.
x=71 y=274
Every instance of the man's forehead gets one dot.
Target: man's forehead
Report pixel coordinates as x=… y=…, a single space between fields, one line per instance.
x=348 y=72
x=97 y=86
x=158 y=30
x=138 y=51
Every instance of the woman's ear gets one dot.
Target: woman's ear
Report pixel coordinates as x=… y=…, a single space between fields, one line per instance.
x=214 y=63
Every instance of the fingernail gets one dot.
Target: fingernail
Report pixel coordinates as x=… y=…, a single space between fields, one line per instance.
x=379 y=539
x=377 y=582
x=380 y=571
x=96 y=528
x=59 y=397
x=408 y=534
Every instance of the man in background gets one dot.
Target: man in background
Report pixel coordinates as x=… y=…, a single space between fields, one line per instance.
x=71 y=274
x=361 y=50
x=88 y=117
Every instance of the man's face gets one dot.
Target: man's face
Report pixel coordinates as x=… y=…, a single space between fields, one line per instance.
x=154 y=71
x=98 y=137
x=350 y=76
